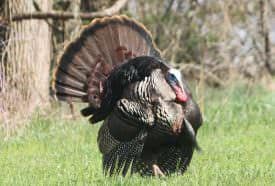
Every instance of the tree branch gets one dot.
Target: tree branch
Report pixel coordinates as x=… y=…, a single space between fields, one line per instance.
x=69 y=15
x=194 y=71
x=265 y=34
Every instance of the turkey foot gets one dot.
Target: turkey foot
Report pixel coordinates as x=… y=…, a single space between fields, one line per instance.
x=157 y=171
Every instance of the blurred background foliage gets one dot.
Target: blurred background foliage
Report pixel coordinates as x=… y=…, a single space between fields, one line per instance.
x=227 y=37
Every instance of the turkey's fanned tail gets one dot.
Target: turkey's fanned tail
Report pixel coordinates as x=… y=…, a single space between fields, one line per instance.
x=87 y=62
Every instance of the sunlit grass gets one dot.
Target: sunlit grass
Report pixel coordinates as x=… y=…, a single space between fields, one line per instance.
x=238 y=141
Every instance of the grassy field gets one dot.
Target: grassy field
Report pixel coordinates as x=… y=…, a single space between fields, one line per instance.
x=237 y=138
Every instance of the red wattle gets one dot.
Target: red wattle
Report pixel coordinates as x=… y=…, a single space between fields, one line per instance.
x=181 y=96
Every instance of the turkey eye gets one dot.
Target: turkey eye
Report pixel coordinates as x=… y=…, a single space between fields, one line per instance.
x=94 y=97
x=172 y=77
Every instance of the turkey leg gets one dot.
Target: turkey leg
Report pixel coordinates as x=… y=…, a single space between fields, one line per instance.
x=157 y=171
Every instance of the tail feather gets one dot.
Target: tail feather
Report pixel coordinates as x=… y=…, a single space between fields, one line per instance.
x=70 y=91
x=88 y=61
x=67 y=98
x=86 y=54
x=73 y=71
x=68 y=80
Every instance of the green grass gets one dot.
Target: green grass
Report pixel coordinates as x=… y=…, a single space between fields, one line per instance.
x=238 y=141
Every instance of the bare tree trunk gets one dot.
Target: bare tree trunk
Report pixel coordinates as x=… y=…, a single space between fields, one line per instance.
x=73 y=26
x=26 y=69
x=133 y=7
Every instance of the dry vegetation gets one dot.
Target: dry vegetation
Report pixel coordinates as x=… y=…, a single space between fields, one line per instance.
x=25 y=66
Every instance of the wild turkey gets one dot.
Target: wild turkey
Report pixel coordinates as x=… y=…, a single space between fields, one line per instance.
x=150 y=117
